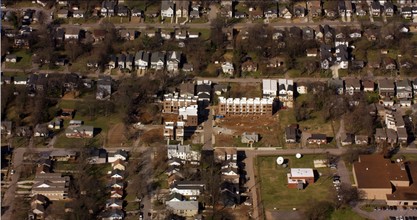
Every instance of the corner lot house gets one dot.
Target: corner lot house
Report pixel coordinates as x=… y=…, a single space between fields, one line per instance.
x=381 y=179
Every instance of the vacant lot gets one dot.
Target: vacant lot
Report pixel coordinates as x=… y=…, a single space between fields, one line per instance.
x=117 y=135
x=24 y=60
x=273 y=183
x=248 y=90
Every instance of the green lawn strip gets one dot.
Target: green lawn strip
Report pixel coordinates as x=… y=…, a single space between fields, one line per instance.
x=64 y=165
x=345 y=214
x=273 y=182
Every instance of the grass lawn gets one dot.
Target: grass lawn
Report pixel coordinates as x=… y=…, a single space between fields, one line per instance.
x=204 y=33
x=345 y=214
x=24 y=60
x=412 y=157
x=117 y=20
x=64 y=165
x=273 y=183
x=245 y=90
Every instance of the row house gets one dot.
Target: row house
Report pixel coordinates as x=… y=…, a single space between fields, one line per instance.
x=269 y=87
x=173 y=102
x=190 y=189
x=174 y=131
x=352 y=86
x=237 y=106
x=286 y=91
x=189 y=115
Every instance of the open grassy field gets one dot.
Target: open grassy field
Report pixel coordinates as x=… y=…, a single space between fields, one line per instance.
x=345 y=214
x=273 y=183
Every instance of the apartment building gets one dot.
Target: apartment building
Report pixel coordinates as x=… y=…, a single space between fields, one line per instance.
x=173 y=102
x=240 y=106
x=189 y=115
x=174 y=131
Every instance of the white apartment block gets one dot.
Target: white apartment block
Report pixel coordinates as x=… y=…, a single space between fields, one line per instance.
x=173 y=101
x=237 y=106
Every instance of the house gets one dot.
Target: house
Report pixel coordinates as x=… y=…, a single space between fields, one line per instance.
x=404 y=89
x=167 y=9
x=23 y=131
x=361 y=10
x=315 y=8
x=271 y=13
x=122 y=10
x=402 y=136
x=182 y=8
x=182 y=152
x=41 y=130
x=302 y=88
x=406 y=12
x=194 y=14
x=286 y=91
x=54 y=186
x=368 y=85
x=326 y=56
x=173 y=60
x=157 y=61
x=292 y=134
x=249 y=66
x=63 y=13
x=191 y=189
x=389 y=63
x=97 y=156
x=299 y=11
x=11 y=58
x=415 y=87
x=142 y=59
x=371 y=34
x=389 y=9
x=392 y=184
x=39 y=199
x=99 y=35
x=63 y=155
x=269 y=87
x=78 y=14
x=121 y=61
x=352 y=86
x=299 y=177
x=247 y=138
x=308 y=33
x=228 y=68
x=6 y=80
x=337 y=85
x=183 y=208
x=118 y=165
x=71 y=33
x=225 y=154
x=82 y=131
x=55 y=124
x=330 y=8
x=117 y=155
x=128 y=34
x=358 y=64
x=275 y=62
x=116 y=194
x=187 y=67
x=376 y=8
x=117 y=174
x=220 y=89
x=136 y=12
x=108 y=8
x=116 y=184
x=6 y=128
x=380 y=135
x=386 y=88
x=342 y=56
x=112 y=214
x=104 y=87
x=285 y=13
x=361 y=139
x=348 y=139
x=317 y=139
x=114 y=204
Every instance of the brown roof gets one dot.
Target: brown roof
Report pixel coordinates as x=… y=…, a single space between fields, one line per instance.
x=368 y=84
x=407 y=193
x=374 y=171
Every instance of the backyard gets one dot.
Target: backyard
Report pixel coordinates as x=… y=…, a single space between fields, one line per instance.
x=273 y=183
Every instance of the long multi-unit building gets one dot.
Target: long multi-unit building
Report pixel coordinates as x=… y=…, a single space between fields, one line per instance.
x=52 y=185
x=238 y=106
x=173 y=102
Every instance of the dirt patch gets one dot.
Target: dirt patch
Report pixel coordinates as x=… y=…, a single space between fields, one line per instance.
x=153 y=136
x=248 y=90
x=116 y=136
x=266 y=126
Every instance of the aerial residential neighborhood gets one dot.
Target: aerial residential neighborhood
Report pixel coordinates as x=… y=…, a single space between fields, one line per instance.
x=177 y=109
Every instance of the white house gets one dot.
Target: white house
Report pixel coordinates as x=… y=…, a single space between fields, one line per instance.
x=167 y=9
x=142 y=59
x=269 y=87
x=228 y=68
x=302 y=88
x=118 y=155
x=173 y=61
